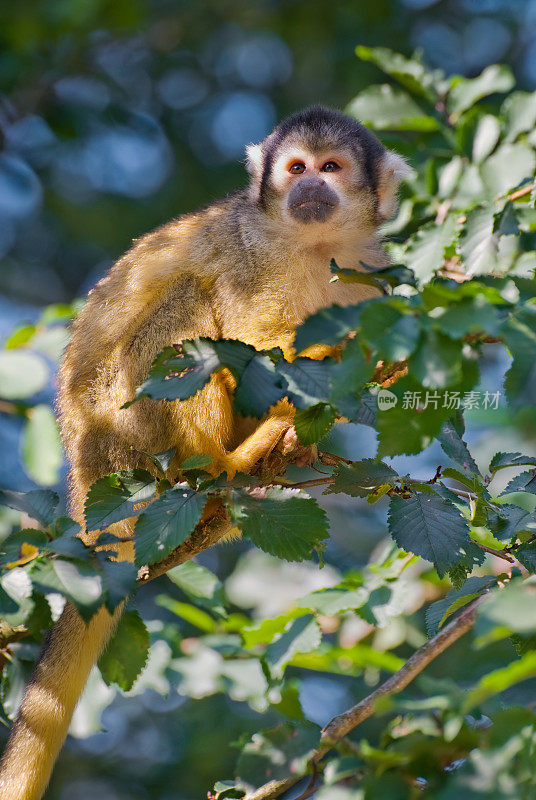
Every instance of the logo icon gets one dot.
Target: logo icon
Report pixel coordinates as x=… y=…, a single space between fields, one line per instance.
x=386 y=400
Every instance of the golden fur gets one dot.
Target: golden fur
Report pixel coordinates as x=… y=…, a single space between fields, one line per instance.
x=234 y=270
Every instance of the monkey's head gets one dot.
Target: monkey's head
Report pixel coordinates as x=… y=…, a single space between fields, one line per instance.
x=320 y=170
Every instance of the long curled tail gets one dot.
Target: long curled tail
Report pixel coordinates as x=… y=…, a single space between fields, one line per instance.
x=51 y=696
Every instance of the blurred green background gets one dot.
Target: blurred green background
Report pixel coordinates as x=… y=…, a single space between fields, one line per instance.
x=116 y=116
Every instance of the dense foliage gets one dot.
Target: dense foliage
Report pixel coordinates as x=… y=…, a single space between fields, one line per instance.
x=408 y=364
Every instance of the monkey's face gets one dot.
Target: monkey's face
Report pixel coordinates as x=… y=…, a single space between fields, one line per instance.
x=316 y=191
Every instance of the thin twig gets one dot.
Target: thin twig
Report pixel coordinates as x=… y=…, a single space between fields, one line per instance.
x=338 y=727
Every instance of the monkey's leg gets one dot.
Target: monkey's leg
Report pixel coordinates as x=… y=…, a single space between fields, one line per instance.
x=261 y=442
x=51 y=696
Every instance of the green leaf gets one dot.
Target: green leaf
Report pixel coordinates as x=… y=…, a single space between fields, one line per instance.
x=20 y=337
x=39 y=504
x=266 y=630
x=525 y=482
x=486 y=137
x=387 y=109
x=302 y=636
x=126 y=653
x=507 y=167
x=226 y=789
x=286 y=523
x=308 y=380
x=118 y=578
x=41 y=446
x=313 y=424
x=16 y=602
x=278 y=753
x=389 y=330
x=425 y=251
x=197 y=462
x=502 y=460
x=498 y=680
x=200 y=583
x=350 y=373
x=465 y=92
x=478 y=244
x=430 y=527
x=437 y=613
x=436 y=363
x=520 y=335
x=112 y=498
x=162 y=461
x=519 y=114
x=11 y=549
x=167 y=523
x=526 y=555
x=78 y=581
x=327 y=326
x=334 y=600
x=260 y=386
x=361 y=477
x=452 y=443
x=22 y=374
x=511 y=607
x=409 y=72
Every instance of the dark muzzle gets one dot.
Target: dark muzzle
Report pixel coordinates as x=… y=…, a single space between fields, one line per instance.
x=311 y=200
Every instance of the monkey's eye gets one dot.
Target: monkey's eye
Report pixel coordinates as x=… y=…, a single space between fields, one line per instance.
x=330 y=166
x=297 y=168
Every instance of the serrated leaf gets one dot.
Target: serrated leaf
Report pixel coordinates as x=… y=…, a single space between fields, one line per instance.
x=167 y=522
x=385 y=108
x=525 y=482
x=126 y=653
x=286 y=523
x=302 y=636
x=430 y=527
x=39 y=504
x=259 y=387
x=162 y=461
x=425 y=251
x=526 y=555
x=112 y=498
x=513 y=520
x=361 y=477
x=452 y=443
x=502 y=460
x=465 y=92
x=313 y=423
x=308 y=380
x=327 y=326
x=350 y=373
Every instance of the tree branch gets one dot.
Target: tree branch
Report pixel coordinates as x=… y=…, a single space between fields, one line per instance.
x=338 y=727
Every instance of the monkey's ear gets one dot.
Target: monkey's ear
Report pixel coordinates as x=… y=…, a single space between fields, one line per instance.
x=254 y=160
x=392 y=169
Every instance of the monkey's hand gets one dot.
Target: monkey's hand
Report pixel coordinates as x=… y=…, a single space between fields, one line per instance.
x=290 y=445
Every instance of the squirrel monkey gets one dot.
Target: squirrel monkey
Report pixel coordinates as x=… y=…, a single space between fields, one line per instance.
x=251 y=266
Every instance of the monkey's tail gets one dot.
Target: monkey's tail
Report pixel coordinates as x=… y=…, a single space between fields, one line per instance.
x=45 y=714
